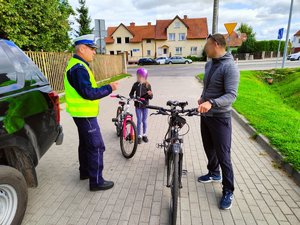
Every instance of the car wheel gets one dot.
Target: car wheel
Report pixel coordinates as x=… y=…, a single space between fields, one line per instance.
x=13 y=196
x=299 y=58
x=170 y=63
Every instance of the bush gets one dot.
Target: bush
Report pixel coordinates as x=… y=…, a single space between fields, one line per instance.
x=252 y=46
x=194 y=58
x=197 y=58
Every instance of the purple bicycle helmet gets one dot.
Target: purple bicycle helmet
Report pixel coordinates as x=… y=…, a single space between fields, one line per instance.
x=142 y=72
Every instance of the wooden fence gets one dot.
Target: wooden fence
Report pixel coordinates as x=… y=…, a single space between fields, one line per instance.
x=53 y=65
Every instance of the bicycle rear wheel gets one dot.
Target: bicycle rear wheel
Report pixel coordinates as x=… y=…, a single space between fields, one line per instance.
x=174 y=189
x=118 y=124
x=128 y=139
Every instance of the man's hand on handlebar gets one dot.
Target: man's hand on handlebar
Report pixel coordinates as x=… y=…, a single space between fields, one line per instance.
x=204 y=107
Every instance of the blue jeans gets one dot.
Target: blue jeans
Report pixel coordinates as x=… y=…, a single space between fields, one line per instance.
x=90 y=150
x=141 y=115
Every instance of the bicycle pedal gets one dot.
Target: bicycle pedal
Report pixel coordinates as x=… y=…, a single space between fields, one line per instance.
x=114 y=120
x=160 y=145
x=184 y=172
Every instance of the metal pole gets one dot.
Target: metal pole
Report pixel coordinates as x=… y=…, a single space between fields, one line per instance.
x=215 y=17
x=287 y=34
x=278 y=52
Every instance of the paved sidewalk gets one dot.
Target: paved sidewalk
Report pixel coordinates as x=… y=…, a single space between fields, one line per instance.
x=264 y=194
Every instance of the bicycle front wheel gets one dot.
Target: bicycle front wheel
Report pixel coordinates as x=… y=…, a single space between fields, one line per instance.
x=128 y=139
x=174 y=189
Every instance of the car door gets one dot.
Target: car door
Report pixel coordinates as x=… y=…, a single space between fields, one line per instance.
x=31 y=108
x=181 y=60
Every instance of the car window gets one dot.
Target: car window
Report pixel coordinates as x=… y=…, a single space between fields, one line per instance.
x=32 y=75
x=8 y=75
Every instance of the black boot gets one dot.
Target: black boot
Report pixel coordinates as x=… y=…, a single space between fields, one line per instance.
x=139 y=140
x=101 y=187
x=145 y=139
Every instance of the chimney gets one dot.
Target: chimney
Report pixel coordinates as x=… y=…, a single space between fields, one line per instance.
x=132 y=24
x=149 y=23
x=185 y=17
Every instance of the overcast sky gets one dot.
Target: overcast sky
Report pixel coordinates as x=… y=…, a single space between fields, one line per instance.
x=266 y=17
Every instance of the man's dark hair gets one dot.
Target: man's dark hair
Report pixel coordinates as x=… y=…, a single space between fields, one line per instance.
x=219 y=38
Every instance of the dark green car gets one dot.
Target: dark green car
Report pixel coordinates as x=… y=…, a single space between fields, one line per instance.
x=29 y=125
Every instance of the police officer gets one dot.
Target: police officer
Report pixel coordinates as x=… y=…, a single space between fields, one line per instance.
x=82 y=99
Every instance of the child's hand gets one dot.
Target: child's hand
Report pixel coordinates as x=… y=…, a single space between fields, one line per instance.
x=149 y=92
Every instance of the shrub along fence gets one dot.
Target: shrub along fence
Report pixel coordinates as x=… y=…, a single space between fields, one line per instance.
x=53 y=65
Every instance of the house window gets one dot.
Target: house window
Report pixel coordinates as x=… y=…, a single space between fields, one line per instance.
x=118 y=52
x=181 y=36
x=177 y=25
x=112 y=52
x=148 y=52
x=127 y=40
x=193 y=50
x=171 y=36
x=119 y=40
x=299 y=40
x=148 y=41
x=178 y=50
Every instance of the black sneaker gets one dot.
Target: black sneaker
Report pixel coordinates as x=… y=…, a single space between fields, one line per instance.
x=102 y=187
x=145 y=139
x=139 y=140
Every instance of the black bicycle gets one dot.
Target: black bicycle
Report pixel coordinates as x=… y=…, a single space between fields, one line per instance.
x=172 y=148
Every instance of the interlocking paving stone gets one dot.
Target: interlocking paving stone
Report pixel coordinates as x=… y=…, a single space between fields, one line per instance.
x=264 y=194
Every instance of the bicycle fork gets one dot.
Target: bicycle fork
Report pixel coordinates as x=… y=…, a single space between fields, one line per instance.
x=127 y=117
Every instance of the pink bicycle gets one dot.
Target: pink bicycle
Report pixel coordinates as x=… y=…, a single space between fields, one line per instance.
x=125 y=126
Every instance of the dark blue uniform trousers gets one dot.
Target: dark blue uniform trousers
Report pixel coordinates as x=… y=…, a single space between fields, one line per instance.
x=90 y=150
x=216 y=136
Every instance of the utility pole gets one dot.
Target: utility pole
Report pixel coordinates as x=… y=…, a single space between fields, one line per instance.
x=287 y=34
x=215 y=17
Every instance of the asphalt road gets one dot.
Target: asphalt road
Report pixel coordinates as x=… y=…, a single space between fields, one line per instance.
x=196 y=68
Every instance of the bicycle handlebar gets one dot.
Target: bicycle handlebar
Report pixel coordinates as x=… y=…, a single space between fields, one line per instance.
x=164 y=111
x=128 y=99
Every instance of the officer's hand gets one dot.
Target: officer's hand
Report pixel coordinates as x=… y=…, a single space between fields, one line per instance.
x=149 y=92
x=114 y=85
x=204 y=107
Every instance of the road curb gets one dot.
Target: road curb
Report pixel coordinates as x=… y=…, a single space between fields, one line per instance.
x=265 y=144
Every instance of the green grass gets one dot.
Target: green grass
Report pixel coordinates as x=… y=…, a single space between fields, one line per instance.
x=273 y=109
x=62 y=99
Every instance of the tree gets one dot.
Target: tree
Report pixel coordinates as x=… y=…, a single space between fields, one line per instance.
x=247 y=29
x=248 y=46
x=84 y=20
x=36 y=25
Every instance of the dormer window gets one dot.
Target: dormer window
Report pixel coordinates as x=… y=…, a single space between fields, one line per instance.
x=177 y=25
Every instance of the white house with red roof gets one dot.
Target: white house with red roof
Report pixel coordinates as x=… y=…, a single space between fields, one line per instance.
x=296 y=42
x=178 y=36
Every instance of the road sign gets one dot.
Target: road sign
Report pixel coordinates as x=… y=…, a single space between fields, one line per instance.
x=280 y=33
x=230 y=27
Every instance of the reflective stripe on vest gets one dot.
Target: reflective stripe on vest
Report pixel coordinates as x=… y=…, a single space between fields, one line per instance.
x=76 y=105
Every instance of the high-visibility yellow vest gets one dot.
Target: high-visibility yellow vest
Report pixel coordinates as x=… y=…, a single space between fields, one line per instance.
x=76 y=105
